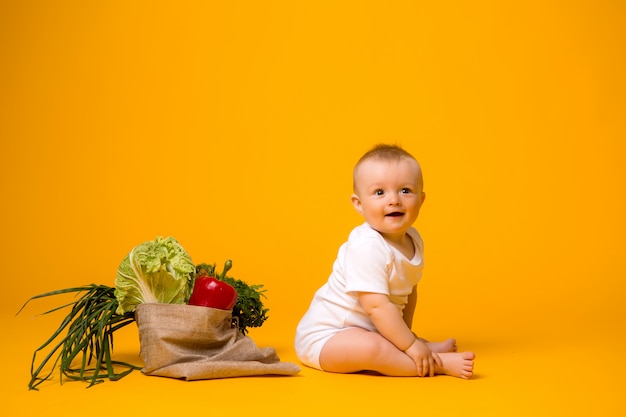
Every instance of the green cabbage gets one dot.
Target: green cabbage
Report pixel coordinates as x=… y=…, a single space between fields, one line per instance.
x=158 y=271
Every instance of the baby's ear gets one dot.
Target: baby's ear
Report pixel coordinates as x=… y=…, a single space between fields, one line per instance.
x=356 y=203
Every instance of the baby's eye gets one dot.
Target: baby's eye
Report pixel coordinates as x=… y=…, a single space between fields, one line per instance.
x=406 y=191
x=379 y=192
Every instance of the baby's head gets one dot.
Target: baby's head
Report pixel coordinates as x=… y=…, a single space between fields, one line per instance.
x=388 y=190
x=385 y=153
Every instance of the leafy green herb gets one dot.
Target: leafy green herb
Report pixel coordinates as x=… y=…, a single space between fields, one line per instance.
x=249 y=310
x=84 y=352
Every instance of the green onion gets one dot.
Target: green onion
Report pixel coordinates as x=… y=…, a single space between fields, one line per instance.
x=84 y=352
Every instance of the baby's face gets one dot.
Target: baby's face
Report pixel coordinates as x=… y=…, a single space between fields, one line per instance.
x=389 y=194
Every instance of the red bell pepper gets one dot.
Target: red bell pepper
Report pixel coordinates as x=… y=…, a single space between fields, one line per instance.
x=211 y=292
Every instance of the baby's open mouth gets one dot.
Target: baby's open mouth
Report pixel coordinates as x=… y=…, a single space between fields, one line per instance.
x=395 y=214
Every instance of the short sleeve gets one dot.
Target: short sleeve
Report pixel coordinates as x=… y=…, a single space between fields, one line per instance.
x=366 y=265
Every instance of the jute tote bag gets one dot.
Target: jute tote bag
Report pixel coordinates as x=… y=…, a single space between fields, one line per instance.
x=193 y=342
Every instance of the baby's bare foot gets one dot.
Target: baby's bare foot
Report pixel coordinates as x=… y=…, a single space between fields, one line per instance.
x=442 y=347
x=460 y=365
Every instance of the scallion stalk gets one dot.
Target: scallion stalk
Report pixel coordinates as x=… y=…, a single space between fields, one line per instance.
x=83 y=353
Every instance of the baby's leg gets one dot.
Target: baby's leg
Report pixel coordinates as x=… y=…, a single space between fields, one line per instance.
x=356 y=350
x=448 y=345
x=460 y=365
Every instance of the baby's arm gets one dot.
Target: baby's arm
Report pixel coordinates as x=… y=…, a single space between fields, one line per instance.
x=390 y=323
x=409 y=308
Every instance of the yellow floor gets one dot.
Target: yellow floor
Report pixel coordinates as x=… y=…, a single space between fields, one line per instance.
x=518 y=372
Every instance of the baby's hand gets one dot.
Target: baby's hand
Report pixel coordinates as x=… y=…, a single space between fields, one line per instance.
x=425 y=360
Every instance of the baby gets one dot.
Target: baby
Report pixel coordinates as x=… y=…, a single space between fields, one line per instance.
x=360 y=320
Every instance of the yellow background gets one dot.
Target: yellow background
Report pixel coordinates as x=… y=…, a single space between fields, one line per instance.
x=234 y=126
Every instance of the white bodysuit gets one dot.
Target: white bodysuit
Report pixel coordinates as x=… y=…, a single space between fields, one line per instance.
x=365 y=263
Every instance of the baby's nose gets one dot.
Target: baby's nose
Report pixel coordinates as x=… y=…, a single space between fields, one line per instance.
x=393 y=200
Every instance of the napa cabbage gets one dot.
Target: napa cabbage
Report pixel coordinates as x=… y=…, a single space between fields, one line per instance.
x=157 y=271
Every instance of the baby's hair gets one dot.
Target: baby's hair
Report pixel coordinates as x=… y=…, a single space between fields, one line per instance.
x=386 y=152
x=383 y=152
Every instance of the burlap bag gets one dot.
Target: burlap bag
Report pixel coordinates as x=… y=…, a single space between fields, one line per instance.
x=192 y=342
